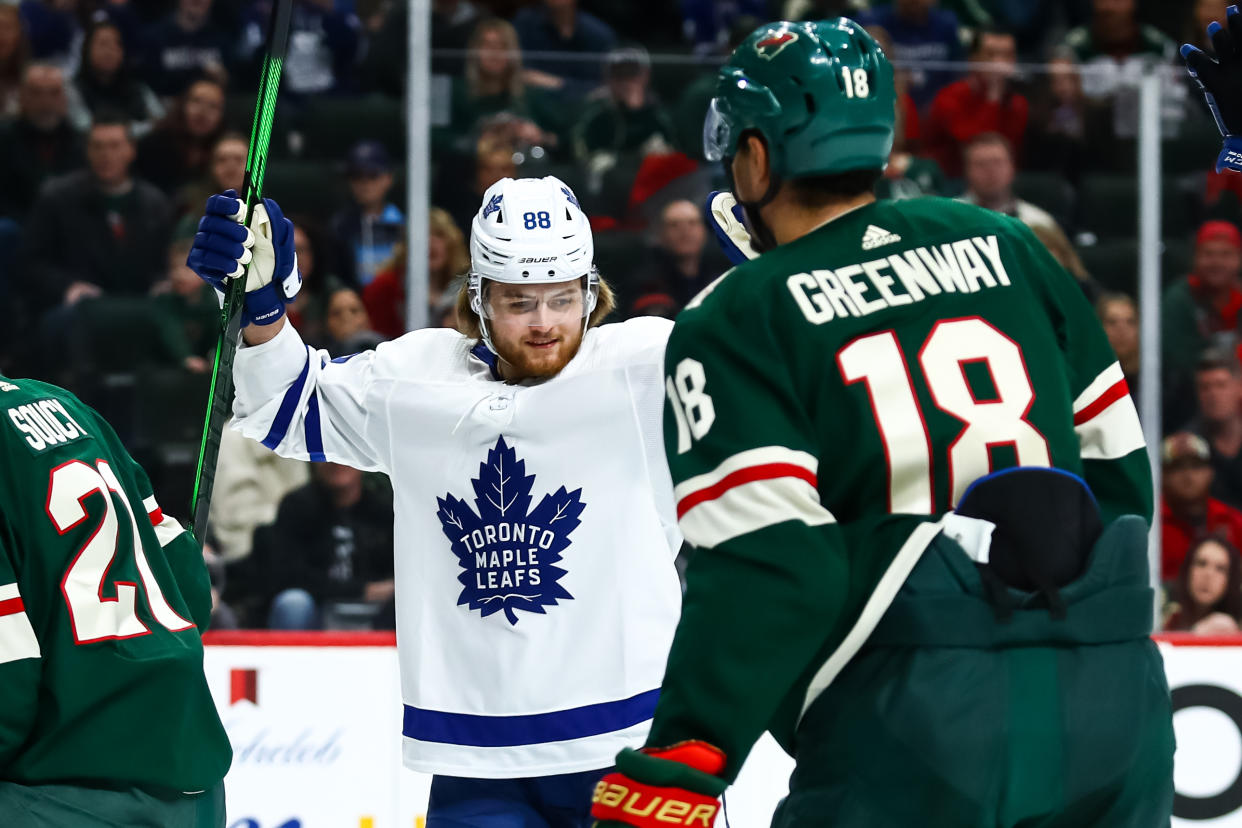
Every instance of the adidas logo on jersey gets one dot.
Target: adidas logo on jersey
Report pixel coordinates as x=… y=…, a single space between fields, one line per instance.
x=877 y=237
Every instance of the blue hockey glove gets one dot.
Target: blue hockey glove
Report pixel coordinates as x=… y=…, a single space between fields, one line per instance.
x=724 y=216
x=1220 y=79
x=224 y=247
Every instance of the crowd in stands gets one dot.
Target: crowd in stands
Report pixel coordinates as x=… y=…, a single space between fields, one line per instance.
x=119 y=117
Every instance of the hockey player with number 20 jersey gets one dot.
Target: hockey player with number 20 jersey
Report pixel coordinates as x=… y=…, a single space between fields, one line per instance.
x=534 y=526
x=918 y=488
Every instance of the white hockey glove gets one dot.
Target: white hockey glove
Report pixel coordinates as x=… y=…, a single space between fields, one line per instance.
x=724 y=216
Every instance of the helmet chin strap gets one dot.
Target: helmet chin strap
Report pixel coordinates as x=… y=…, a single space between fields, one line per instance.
x=761 y=236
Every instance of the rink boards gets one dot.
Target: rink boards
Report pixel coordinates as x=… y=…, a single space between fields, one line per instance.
x=314 y=720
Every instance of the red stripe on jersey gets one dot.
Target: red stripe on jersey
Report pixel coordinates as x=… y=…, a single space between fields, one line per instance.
x=12 y=606
x=1119 y=390
x=156 y=515
x=767 y=471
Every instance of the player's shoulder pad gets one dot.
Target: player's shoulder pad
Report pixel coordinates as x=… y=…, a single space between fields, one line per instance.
x=428 y=353
x=634 y=341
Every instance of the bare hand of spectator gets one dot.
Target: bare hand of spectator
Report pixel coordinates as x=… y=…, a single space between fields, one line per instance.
x=78 y=291
x=534 y=77
x=196 y=365
x=1218 y=623
x=527 y=132
x=377 y=592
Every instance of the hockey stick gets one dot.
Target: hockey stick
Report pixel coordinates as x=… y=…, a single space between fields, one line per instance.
x=230 y=315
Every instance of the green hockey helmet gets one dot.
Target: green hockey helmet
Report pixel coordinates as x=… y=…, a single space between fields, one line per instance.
x=821 y=95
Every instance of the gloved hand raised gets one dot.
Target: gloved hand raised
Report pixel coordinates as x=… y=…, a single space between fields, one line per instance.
x=224 y=247
x=724 y=216
x=1220 y=79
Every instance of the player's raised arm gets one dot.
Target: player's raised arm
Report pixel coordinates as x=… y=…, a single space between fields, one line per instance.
x=1220 y=80
x=294 y=399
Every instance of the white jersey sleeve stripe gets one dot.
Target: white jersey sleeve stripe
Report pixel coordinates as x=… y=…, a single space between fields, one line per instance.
x=764 y=456
x=167 y=530
x=288 y=408
x=17 y=637
x=751 y=505
x=1107 y=379
x=1113 y=432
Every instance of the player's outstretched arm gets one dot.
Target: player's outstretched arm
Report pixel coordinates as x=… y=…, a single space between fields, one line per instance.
x=1220 y=80
x=295 y=400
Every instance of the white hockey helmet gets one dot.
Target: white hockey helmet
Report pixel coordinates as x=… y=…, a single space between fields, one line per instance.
x=530 y=231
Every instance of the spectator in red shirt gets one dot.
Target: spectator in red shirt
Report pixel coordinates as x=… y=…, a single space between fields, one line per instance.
x=983 y=101
x=1187 y=513
x=1202 y=310
x=447 y=258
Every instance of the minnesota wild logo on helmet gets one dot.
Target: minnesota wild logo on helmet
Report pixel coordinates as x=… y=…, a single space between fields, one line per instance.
x=821 y=95
x=770 y=46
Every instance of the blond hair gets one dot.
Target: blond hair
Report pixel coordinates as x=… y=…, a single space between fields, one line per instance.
x=474 y=79
x=441 y=224
x=468 y=320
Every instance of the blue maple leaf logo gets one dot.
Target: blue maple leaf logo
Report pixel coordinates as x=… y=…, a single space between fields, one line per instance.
x=493 y=205
x=509 y=553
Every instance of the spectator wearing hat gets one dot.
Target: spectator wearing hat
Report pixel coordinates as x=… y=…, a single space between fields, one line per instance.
x=625 y=116
x=1188 y=512
x=367 y=231
x=983 y=101
x=1218 y=392
x=1202 y=310
x=557 y=26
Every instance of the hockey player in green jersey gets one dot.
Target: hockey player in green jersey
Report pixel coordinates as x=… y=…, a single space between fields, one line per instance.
x=879 y=431
x=105 y=714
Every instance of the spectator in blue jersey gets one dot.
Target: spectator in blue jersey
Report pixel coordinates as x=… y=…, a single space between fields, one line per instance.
x=332 y=544
x=367 y=230
x=52 y=28
x=558 y=26
x=921 y=31
x=707 y=23
x=39 y=143
x=185 y=46
x=325 y=40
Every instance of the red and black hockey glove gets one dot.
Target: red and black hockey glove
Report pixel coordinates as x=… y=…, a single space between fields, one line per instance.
x=659 y=787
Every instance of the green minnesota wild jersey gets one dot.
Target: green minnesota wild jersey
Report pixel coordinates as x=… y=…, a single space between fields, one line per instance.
x=102 y=598
x=832 y=399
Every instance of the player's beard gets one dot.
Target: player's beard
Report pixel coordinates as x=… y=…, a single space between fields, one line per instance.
x=525 y=361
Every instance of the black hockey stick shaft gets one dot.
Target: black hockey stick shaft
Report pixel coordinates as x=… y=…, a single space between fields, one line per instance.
x=221 y=394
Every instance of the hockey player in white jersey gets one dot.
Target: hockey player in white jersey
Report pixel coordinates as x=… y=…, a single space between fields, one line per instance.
x=535 y=529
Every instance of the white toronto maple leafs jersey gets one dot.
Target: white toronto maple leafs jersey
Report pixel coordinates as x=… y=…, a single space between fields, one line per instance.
x=535 y=533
